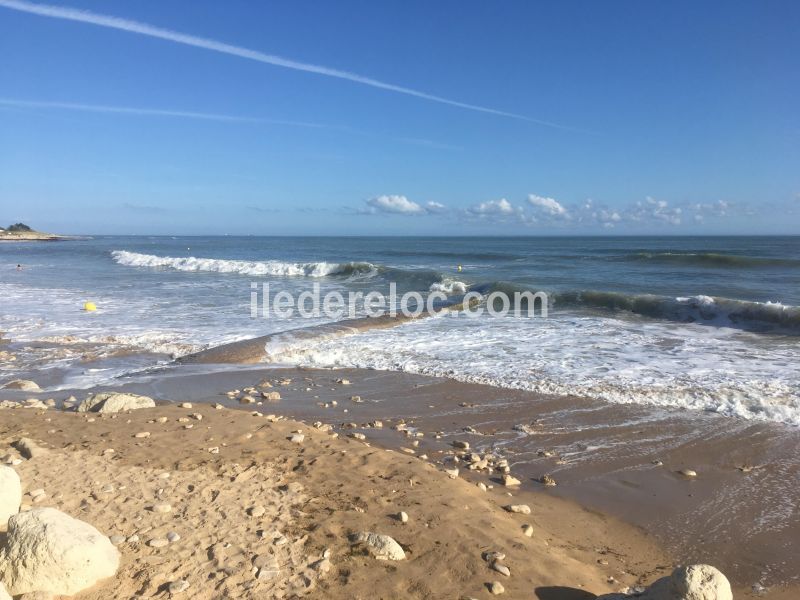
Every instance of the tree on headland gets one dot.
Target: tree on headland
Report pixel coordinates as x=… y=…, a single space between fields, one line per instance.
x=19 y=227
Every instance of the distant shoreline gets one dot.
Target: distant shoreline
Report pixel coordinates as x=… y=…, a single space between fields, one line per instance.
x=36 y=236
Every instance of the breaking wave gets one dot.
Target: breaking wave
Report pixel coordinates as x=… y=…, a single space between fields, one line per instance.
x=243 y=267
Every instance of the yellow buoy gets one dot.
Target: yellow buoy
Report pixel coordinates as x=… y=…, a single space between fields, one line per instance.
x=459 y=268
x=89 y=306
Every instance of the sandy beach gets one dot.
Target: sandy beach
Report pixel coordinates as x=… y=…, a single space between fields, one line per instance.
x=221 y=461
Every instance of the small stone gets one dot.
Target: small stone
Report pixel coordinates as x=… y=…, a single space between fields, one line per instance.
x=481 y=486
x=162 y=420
x=357 y=436
x=117 y=539
x=496 y=588
x=142 y=434
x=297 y=438
x=509 y=480
x=257 y=511
x=185 y=405
x=157 y=543
x=343 y=381
x=161 y=508
x=173 y=536
x=178 y=587
x=452 y=473
x=501 y=568
x=213 y=450
x=461 y=445
x=271 y=396
x=547 y=480
x=381 y=546
x=688 y=473
x=403 y=517
x=134 y=539
x=527 y=530
x=521 y=509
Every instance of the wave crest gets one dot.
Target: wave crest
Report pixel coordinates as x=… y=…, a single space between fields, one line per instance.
x=242 y=267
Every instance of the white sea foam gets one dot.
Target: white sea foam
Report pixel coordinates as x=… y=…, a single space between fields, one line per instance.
x=622 y=361
x=449 y=286
x=241 y=267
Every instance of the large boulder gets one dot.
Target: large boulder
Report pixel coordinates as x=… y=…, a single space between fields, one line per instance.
x=23 y=384
x=10 y=495
x=114 y=402
x=695 y=582
x=49 y=551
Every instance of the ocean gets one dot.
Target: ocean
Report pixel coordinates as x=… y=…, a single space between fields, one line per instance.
x=710 y=324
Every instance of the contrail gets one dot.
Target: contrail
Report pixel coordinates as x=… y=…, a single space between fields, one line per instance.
x=84 y=16
x=153 y=112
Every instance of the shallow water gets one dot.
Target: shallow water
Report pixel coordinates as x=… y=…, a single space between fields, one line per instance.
x=702 y=323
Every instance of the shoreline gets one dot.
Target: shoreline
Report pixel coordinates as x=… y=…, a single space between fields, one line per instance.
x=599 y=480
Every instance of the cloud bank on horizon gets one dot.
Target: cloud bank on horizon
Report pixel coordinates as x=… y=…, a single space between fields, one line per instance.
x=545 y=211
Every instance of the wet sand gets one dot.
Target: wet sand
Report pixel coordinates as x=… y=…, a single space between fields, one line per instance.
x=312 y=496
x=741 y=513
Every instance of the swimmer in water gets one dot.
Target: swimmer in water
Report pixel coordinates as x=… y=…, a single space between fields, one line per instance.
x=19 y=267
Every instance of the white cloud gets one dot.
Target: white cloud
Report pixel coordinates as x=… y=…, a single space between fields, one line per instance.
x=85 y=16
x=394 y=204
x=435 y=207
x=492 y=207
x=548 y=206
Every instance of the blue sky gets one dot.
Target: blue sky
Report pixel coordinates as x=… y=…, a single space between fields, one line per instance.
x=586 y=117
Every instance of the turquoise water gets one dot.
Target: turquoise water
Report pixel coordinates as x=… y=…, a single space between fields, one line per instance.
x=703 y=323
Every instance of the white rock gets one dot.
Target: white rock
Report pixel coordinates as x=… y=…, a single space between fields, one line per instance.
x=10 y=495
x=49 y=551
x=501 y=568
x=22 y=384
x=114 y=402
x=688 y=473
x=142 y=434
x=4 y=595
x=173 y=537
x=178 y=587
x=694 y=582
x=508 y=480
x=29 y=449
x=162 y=508
x=496 y=588
x=185 y=405
x=297 y=438
x=522 y=509
x=527 y=529
x=381 y=546
x=461 y=445
x=403 y=516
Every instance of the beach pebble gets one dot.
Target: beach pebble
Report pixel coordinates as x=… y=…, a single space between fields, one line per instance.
x=402 y=517
x=297 y=438
x=247 y=400
x=527 y=530
x=461 y=445
x=481 y=486
x=29 y=449
x=117 y=539
x=343 y=381
x=271 y=396
x=501 y=568
x=185 y=405
x=357 y=436
x=196 y=416
x=257 y=511
x=178 y=587
x=496 y=588
x=142 y=434
x=381 y=546
x=157 y=543
x=547 y=480
x=173 y=536
x=521 y=509
x=162 y=420
x=161 y=507
x=688 y=473
x=133 y=539
x=213 y=450
x=452 y=473
x=508 y=480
